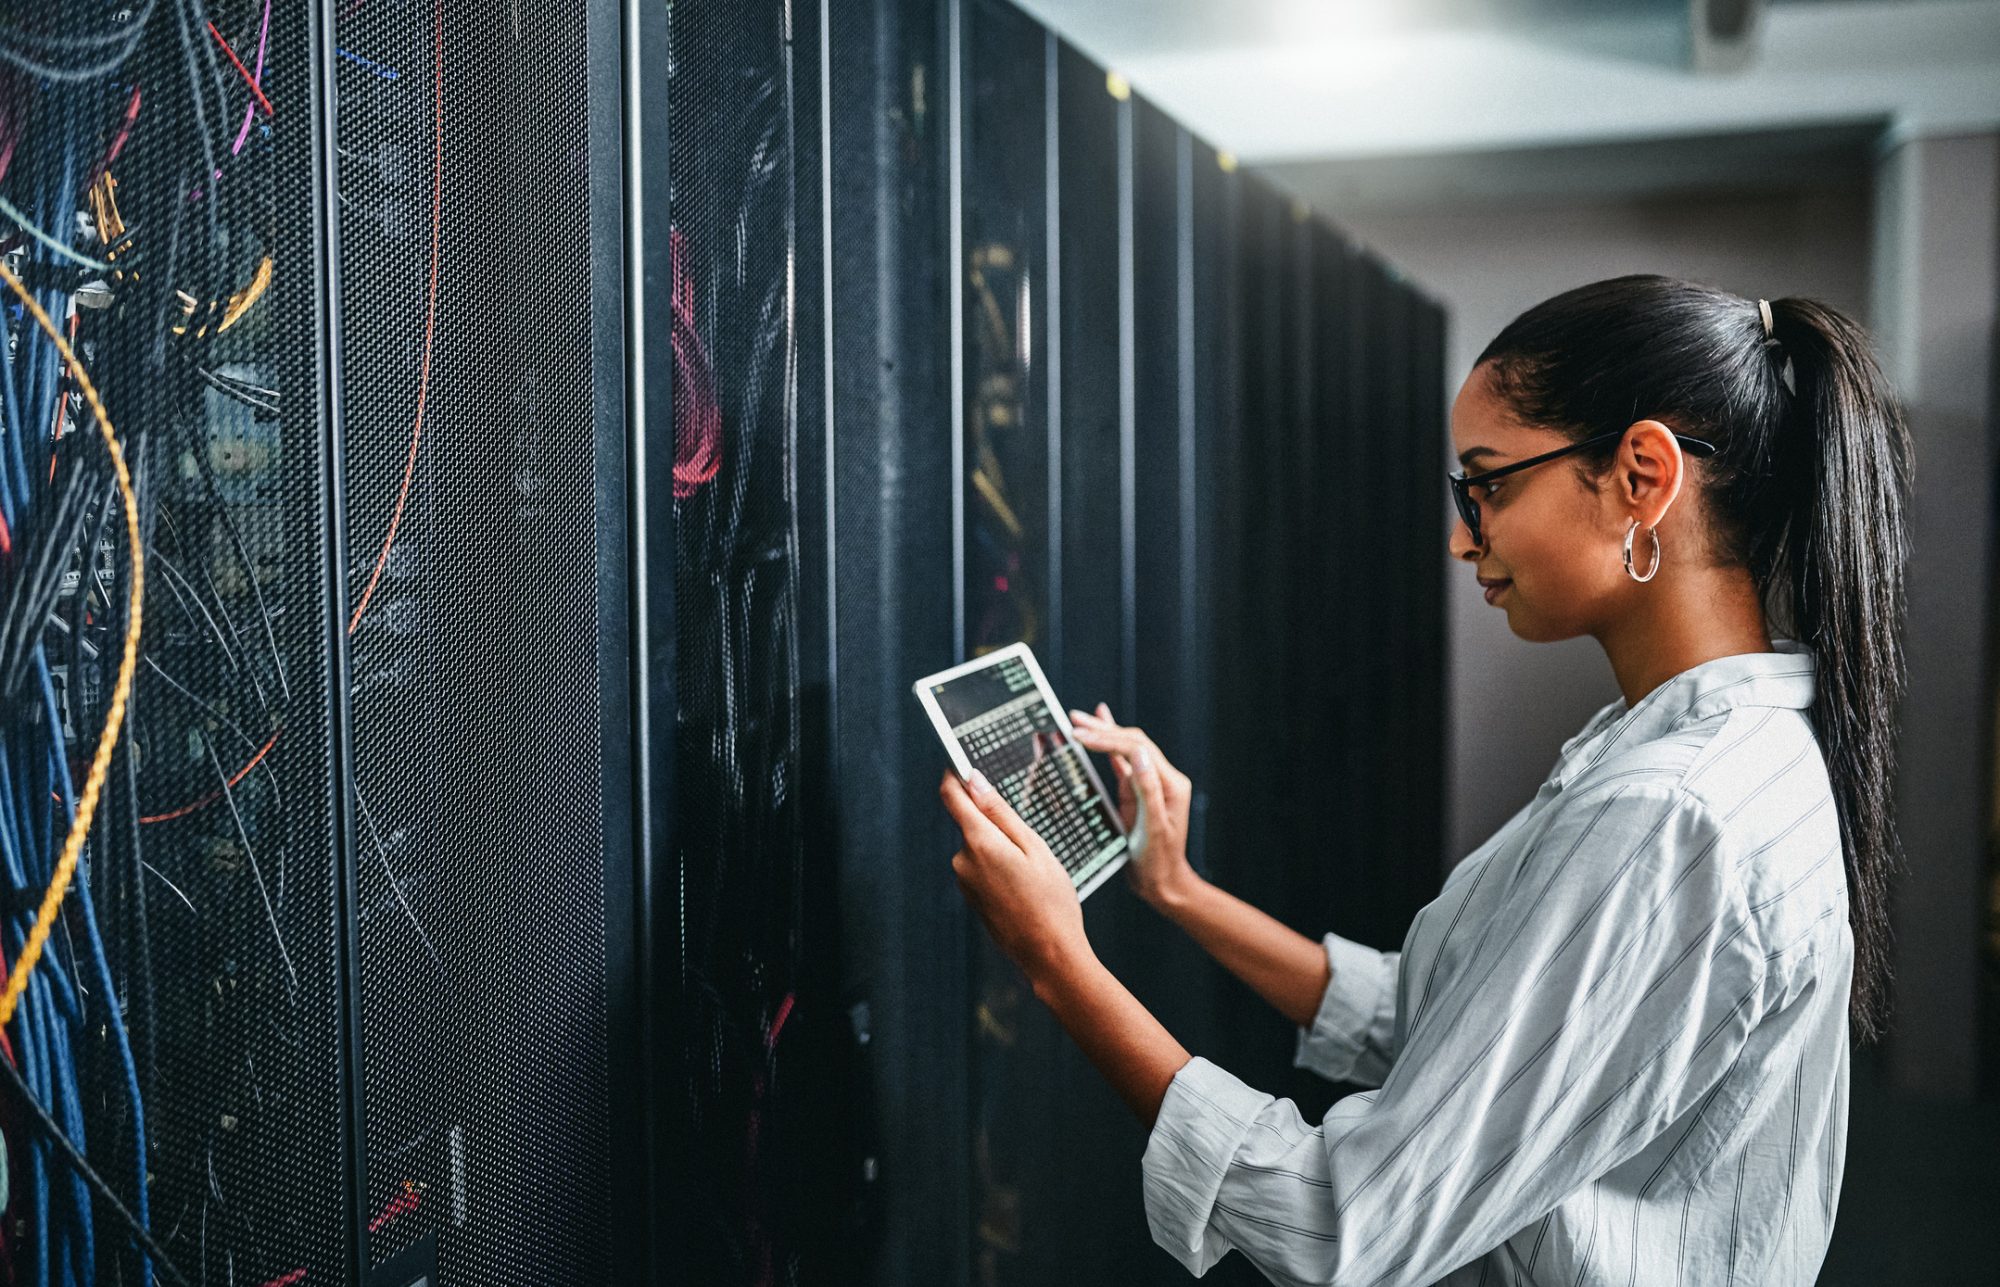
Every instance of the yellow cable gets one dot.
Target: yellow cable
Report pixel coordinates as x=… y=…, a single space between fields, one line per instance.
x=238 y=304
x=100 y=763
x=104 y=210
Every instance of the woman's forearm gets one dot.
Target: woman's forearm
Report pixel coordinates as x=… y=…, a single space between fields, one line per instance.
x=1280 y=964
x=1131 y=1048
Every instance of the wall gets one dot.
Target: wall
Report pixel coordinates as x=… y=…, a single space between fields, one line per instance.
x=1937 y=243
x=1512 y=703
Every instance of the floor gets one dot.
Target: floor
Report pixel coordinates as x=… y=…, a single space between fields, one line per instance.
x=1920 y=1203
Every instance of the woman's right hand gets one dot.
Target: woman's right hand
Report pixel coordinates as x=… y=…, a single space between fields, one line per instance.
x=1153 y=800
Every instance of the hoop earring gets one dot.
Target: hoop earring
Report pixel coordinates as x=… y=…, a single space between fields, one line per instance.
x=1632 y=572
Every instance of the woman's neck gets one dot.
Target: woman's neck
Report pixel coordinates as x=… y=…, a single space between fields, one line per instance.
x=1672 y=625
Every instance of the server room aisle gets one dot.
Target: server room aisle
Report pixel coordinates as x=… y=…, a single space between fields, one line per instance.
x=477 y=483
x=1917 y=1201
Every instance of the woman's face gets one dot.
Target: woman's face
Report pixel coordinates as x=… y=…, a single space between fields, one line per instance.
x=1552 y=556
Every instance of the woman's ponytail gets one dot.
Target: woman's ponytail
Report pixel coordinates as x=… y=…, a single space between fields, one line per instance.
x=1808 y=490
x=1842 y=465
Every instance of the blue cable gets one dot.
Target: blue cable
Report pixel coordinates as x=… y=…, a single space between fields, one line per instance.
x=115 y=1024
x=66 y=1106
x=16 y=489
x=34 y=781
x=101 y=966
x=35 y=1071
x=10 y=839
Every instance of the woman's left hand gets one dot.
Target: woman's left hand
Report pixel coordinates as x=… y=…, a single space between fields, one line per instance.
x=1012 y=880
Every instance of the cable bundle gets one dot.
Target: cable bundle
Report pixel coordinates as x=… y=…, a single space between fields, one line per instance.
x=133 y=238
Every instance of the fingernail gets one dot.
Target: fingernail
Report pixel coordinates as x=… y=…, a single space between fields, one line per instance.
x=980 y=786
x=1142 y=762
x=1077 y=714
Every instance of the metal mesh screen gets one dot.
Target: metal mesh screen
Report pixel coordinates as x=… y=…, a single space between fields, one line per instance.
x=1012 y=568
x=1011 y=574
x=1211 y=365
x=1184 y=405
x=188 y=996
x=1169 y=633
x=1164 y=458
x=892 y=586
x=471 y=569
x=1089 y=666
x=738 y=811
x=1265 y=552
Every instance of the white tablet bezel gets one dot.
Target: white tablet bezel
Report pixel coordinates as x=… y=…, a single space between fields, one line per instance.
x=963 y=767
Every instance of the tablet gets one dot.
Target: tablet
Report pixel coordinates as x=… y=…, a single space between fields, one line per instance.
x=997 y=714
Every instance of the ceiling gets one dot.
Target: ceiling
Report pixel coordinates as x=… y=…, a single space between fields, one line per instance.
x=1324 y=82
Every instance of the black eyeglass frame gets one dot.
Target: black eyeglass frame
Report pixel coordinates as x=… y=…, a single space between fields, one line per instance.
x=1461 y=484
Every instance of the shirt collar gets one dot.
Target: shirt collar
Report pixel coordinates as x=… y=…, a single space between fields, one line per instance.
x=1782 y=678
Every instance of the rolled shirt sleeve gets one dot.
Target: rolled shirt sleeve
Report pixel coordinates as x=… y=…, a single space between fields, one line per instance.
x=1352 y=1037
x=1612 y=988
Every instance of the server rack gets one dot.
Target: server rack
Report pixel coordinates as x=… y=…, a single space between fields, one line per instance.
x=487 y=759
x=1014 y=567
x=365 y=821
x=642 y=396
x=1168 y=518
x=888 y=94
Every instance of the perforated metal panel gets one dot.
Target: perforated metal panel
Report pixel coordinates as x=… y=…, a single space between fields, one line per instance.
x=1170 y=637
x=1272 y=731
x=1013 y=566
x=470 y=431
x=946 y=345
x=1164 y=453
x=1013 y=570
x=740 y=839
x=904 y=1001
x=191 y=979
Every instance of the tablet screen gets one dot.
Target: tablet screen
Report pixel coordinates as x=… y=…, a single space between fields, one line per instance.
x=998 y=713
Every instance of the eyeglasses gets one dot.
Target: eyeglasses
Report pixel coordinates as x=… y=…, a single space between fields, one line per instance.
x=1462 y=484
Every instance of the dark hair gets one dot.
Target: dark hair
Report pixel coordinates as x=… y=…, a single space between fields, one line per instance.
x=1807 y=491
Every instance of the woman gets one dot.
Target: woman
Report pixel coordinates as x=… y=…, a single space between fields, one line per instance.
x=1614 y=1050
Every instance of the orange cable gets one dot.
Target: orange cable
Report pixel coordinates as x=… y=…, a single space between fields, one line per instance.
x=430 y=325
x=213 y=796
x=423 y=393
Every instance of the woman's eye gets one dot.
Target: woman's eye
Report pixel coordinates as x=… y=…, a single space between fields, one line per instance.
x=1486 y=490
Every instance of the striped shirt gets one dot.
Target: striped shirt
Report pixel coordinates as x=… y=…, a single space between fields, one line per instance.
x=1614 y=1050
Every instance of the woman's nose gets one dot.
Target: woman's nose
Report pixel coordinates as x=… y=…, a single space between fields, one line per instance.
x=1461 y=545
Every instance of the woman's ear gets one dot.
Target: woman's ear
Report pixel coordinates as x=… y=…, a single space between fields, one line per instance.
x=1651 y=470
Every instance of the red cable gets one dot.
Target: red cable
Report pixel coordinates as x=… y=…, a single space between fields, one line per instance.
x=10 y=120
x=430 y=325
x=402 y=1204
x=118 y=139
x=215 y=795
x=697 y=413
x=241 y=70
x=778 y=1022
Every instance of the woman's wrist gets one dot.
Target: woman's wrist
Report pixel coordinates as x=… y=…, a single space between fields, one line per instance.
x=1173 y=896
x=1061 y=967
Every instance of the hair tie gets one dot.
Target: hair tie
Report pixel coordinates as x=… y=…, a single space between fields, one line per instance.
x=1771 y=341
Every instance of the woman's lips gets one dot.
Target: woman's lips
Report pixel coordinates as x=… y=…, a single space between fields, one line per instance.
x=1494 y=589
